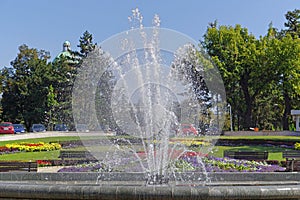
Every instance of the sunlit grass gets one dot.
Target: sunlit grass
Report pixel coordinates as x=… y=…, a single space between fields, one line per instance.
x=31 y=156
x=36 y=140
x=275 y=153
x=262 y=137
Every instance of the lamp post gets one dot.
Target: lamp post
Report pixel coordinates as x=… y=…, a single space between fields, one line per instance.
x=230 y=114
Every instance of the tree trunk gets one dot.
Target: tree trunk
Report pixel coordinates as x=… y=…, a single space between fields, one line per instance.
x=248 y=103
x=287 y=111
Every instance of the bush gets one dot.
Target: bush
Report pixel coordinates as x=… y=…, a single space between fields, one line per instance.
x=297 y=146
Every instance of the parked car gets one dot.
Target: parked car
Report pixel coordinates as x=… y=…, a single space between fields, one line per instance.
x=7 y=128
x=61 y=127
x=82 y=128
x=19 y=128
x=38 y=128
x=188 y=129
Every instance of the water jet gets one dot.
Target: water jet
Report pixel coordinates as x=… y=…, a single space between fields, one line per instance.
x=144 y=83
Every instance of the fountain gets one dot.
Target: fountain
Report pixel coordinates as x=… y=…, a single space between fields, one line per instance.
x=146 y=84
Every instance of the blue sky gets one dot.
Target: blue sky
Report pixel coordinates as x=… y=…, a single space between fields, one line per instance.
x=46 y=24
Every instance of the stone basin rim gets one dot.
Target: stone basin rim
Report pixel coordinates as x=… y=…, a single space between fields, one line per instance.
x=123 y=176
x=33 y=191
x=276 y=185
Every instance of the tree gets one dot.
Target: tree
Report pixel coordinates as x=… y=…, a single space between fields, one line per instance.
x=190 y=66
x=65 y=70
x=240 y=59
x=284 y=55
x=290 y=71
x=86 y=44
x=64 y=73
x=52 y=106
x=25 y=87
x=293 y=23
x=261 y=76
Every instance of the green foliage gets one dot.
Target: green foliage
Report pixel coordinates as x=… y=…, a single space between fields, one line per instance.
x=190 y=66
x=182 y=166
x=86 y=44
x=235 y=52
x=25 y=87
x=231 y=164
x=64 y=74
x=293 y=23
x=65 y=71
x=282 y=58
x=261 y=76
x=297 y=146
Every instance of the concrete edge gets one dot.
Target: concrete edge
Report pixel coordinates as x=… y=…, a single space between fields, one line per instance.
x=34 y=191
x=123 y=177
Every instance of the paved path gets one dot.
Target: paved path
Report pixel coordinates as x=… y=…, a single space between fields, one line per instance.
x=49 y=134
x=51 y=169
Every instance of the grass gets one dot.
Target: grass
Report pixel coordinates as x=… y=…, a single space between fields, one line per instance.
x=43 y=155
x=274 y=152
x=35 y=140
x=31 y=156
x=274 y=138
x=261 y=138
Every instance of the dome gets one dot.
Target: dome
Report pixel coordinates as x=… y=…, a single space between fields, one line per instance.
x=67 y=53
x=67 y=44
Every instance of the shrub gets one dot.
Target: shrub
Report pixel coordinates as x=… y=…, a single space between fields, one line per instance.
x=297 y=146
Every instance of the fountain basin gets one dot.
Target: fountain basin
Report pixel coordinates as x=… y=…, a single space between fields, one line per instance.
x=281 y=185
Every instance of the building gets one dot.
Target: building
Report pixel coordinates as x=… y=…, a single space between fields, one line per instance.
x=296 y=117
x=67 y=54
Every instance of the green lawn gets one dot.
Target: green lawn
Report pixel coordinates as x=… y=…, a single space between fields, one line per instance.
x=275 y=138
x=35 y=140
x=31 y=156
x=52 y=139
x=274 y=152
x=45 y=155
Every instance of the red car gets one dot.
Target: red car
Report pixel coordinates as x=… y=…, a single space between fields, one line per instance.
x=6 y=128
x=188 y=129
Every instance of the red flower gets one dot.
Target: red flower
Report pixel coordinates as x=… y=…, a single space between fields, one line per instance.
x=43 y=163
x=192 y=154
x=33 y=145
x=5 y=149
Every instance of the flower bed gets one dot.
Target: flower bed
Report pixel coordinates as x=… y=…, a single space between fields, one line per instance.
x=32 y=147
x=44 y=163
x=213 y=164
x=5 y=150
x=89 y=167
x=297 y=146
x=192 y=161
x=191 y=143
